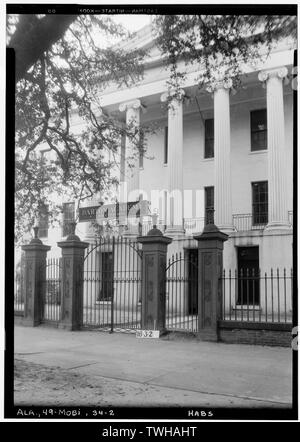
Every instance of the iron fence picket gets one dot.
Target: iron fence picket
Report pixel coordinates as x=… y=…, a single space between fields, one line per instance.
x=51 y=291
x=112 y=280
x=259 y=297
x=181 y=280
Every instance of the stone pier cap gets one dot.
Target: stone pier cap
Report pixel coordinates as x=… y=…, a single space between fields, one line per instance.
x=153 y=236
x=211 y=231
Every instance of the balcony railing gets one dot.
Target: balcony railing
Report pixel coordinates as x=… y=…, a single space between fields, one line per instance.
x=193 y=225
x=242 y=222
x=246 y=221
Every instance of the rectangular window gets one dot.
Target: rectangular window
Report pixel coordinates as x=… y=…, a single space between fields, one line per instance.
x=209 y=138
x=43 y=221
x=68 y=217
x=166 y=146
x=258 y=129
x=209 y=200
x=260 y=202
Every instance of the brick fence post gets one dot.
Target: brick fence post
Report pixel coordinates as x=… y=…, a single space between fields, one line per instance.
x=35 y=274
x=210 y=265
x=153 y=279
x=72 y=281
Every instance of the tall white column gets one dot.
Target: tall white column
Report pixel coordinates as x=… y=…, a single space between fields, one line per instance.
x=222 y=194
x=175 y=166
x=277 y=173
x=132 y=109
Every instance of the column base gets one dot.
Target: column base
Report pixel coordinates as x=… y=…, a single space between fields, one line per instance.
x=130 y=235
x=277 y=225
x=226 y=228
x=90 y=238
x=174 y=231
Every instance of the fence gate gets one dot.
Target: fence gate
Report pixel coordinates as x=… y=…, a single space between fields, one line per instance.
x=182 y=291
x=112 y=285
x=51 y=290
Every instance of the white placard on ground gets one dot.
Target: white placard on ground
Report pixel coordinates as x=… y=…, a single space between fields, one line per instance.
x=147 y=334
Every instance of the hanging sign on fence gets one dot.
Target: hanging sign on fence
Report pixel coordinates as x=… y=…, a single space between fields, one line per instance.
x=119 y=211
x=88 y=213
x=147 y=334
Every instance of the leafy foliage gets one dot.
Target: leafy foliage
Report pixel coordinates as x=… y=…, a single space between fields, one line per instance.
x=219 y=45
x=68 y=79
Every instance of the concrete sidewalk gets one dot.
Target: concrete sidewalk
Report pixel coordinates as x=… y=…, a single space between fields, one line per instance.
x=221 y=374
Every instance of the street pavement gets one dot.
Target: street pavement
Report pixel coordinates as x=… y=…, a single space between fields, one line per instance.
x=202 y=372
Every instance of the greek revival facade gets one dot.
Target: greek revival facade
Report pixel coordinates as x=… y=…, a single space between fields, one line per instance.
x=230 y=151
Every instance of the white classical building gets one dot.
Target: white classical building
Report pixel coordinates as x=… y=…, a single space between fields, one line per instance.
x=218 y=148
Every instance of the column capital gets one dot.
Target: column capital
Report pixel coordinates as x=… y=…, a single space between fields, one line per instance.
x=172 y=95
x=225 y=83
x=133 y=104
x=267 y=74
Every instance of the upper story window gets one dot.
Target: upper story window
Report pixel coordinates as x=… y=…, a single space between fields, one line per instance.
x=166 y=145
x=68 y=217
x=209 y=138
x=260 y=202
x=259 y=130
x=43 y=222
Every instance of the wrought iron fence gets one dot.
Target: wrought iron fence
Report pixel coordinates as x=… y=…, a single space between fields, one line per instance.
x=51 y=290
x=182 y=292
x=255 y=296
x=112 y=284
x=19 y=293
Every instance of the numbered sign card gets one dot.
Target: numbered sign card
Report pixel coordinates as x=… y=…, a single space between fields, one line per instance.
x=147 y=334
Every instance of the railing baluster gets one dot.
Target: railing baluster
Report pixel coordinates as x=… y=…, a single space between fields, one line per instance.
x=253 y=293
x=247 y=289
x=259 y=287
x=278 y=298
x=272 y=295
x=284 y=291
x=242 y=294
x=266 y=297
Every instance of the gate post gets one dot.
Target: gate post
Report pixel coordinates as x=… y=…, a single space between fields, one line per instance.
x=210 y=265
x=153 y=279
x=72 y=281
x=35 y=274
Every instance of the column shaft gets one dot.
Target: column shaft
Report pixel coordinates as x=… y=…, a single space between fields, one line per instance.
x=278 y=214
x=132 y=109
x=175 y=167
x=223 y=207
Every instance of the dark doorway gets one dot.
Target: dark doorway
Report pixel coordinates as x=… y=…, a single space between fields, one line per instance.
x=107 y=274
x=193 y=281
x=248 y=276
